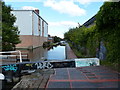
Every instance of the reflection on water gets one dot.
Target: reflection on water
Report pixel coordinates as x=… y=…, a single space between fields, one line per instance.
x=57 y=53
x=38 y=54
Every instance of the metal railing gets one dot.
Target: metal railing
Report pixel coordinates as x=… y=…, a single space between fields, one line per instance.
x=12 y=55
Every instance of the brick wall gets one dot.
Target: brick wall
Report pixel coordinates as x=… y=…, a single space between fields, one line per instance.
x=30 y=41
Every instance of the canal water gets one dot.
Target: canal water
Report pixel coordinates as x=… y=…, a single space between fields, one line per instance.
x=40 y=54
x=57 y=53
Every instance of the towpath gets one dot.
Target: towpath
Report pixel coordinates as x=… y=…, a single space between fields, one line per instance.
x=69 y=52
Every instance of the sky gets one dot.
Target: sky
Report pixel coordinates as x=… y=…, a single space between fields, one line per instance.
x=61 y=15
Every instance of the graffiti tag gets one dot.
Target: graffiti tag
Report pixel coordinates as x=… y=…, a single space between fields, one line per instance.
x=10 y=67
x=30 y=65
x=43 y=65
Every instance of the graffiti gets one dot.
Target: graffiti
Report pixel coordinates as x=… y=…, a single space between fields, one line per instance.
x=103 y=51
x=92 y=64
x=87 y=62
x=43 y=65
x=29 y=65
x=11 y=67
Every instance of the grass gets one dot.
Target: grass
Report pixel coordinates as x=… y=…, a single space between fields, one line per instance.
x=114 y=66
x=77 y=53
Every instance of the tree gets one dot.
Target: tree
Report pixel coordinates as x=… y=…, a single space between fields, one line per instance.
x=57 y=39
x=10 y=33
x=108 y=27
x=108 y=17
x=0 y=19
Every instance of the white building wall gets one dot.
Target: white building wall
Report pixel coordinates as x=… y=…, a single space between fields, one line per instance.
x=23 y=21
x=28 y=23
x=35 y=24
x=41 y=27
x=45 y=30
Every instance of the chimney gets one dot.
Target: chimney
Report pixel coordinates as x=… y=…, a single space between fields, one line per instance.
x=37 y=11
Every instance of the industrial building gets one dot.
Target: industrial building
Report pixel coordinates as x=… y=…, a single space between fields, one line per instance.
x=33 y=28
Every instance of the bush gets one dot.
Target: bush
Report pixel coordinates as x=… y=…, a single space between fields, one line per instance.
x=46 y=44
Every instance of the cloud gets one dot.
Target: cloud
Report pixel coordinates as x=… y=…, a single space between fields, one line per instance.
x=59 y=28
x=23 y=0
x=81 y=1
x=89 y=1
x=66 y=7
x=29 y=8
x=64 y=23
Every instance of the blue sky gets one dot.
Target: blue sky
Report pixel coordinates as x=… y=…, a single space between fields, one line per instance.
x=60 y=14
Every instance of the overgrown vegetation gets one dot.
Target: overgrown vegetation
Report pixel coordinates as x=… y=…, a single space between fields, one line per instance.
x=0 y=26
x=107 y=29
x=108 y=26
x=83 y=40
x=9 y=32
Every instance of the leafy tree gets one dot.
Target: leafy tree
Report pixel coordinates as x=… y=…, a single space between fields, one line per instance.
x=108 y=26
x=0 y=26
x=56 y=39
x=9 y=32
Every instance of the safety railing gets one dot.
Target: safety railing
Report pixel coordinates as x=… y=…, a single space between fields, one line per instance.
x=19 y=52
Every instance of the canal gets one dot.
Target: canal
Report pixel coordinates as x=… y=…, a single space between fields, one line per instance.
x=57 y=53
x=40 y=54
